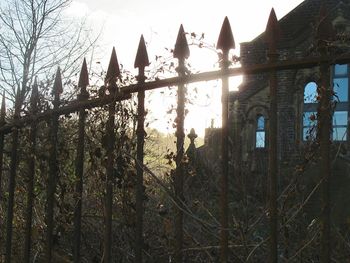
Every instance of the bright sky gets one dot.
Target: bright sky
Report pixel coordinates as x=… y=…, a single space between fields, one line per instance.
x=123 y=22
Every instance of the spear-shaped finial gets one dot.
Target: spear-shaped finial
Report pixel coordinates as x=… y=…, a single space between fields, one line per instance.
x=3 y=108
x=84 y=75
x=141 y=60
x=272 y=32
x=113 y=68
x=225 y=40
x=325 y=30
x=181 y=50
x=57 y=86
x=83 y=81
x=35 y=94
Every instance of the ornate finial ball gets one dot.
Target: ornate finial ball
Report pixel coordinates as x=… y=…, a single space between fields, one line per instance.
x=192 y=135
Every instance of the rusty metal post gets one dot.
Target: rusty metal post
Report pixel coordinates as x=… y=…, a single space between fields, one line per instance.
x=53 y=167
x=272 y=34
x=12 y=179
x=113 y=73
x=325 y=35
x=31 y=174
x=225 y=43
x=181 y=52
x=2 y=137
x=79 y=162
x=141 y=62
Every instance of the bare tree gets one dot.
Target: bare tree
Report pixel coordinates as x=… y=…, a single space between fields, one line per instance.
x=35 y=38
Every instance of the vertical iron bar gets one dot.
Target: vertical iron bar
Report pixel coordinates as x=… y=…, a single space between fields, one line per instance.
x=325 y=147
x=111 y=79
x=181 y=52
x=31 y=175
x=12 y=180
x=139 y=169
x=79 y=163
x=272 y=165
x=224 y=162
x=325 y=35
x=180 y=137
x=109 y=182
x=272 y=34
x=53 y=168
x=141 y=62
x=225 y=43
x=2 y=137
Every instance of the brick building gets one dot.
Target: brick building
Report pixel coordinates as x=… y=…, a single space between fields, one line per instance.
x=297 y=106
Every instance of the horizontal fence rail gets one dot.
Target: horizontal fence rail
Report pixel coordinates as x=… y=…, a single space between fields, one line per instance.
x=119 y=93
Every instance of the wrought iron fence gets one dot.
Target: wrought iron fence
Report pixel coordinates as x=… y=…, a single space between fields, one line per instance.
x=10 y=129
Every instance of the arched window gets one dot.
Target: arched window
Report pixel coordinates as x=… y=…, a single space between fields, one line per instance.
x=340 y=81
x=260 y=133
x=341 y=97
x=310 y=109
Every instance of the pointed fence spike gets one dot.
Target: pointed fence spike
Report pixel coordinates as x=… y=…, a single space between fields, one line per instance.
x=113 y=68
x=181 y=50
x=3 y=108
x=225 y=40
x=57 y=86
x=272 y=32
x=141 y=60
x=325 y=29
x=84 y=75
x=35 y=93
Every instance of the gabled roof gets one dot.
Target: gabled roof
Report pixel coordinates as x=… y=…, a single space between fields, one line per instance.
x=296 y=30
x=298 y=23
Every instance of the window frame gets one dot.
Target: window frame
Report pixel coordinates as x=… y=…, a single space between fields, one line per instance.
x=341 y=106
x=259 y=129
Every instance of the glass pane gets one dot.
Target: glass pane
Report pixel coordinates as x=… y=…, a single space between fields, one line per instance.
x=340 y=118
x=261 y=123
x=339 y=134
x=310 y=92
x=340 y=69
x=341 y=89
x=309 y=133
x=309 y=119
x=260 y=139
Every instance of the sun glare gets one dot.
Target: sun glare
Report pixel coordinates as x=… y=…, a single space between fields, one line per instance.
x=124 y=22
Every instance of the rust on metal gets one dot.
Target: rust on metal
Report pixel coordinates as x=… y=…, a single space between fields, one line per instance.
x=112 y=74
x=181 y=52
x=34 y=99
x=225 y=43
x=273 y=31
x=325 y=33
x=226 y=40
x=12 y=179
x=79 y=162
x=2 y=137
x=272 y=34
x=141 y=62
x=113 y=71
x=53 y=166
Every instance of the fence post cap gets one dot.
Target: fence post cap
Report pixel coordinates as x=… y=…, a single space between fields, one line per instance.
x=84 y=75
x=113 y=70
x=181 y=50
x=3 y=107
x=272 y=31
x=141 y=60
x=225 y=40
x=35 y=93
x=57 y=86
